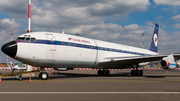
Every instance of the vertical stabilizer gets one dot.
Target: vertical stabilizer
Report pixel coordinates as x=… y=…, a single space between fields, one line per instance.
x=154 y=42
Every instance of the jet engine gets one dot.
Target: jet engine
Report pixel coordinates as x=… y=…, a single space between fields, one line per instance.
x=168 y=62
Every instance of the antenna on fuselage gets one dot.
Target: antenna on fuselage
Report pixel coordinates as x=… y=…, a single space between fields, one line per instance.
x=63 y=32
x=29 y=17
x=77 y=34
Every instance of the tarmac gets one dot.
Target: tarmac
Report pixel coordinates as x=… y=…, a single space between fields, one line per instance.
x=85 y=85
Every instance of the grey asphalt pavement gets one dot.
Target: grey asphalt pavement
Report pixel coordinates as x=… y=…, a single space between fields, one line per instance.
x=80 y=85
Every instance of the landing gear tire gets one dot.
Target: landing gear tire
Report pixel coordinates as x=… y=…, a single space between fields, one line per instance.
x=136 y=72
x=141 y=73
x=133 y=73
x=107 y=72
x=43 y=76
x=20 y=78
x=99 y=73
x=103 y=72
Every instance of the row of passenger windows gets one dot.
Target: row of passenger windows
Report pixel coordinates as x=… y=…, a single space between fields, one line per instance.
x=78 y=45
x=99 y=48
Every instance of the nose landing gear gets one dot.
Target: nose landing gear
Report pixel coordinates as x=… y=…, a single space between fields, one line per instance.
x=43 y=75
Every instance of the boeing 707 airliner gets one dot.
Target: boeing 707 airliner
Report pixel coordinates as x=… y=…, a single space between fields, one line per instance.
x=59 y=50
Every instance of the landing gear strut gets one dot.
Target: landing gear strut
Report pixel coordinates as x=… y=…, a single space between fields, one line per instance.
x=136 y=72
x=43 y=75
x=103 y=72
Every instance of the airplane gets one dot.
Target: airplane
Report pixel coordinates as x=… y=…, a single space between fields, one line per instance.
x=54 y=50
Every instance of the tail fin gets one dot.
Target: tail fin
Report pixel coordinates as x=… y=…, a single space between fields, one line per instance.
x=154 y=42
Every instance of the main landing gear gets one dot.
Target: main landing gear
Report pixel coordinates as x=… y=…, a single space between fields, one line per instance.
x=136 y=72
x=103 y=72
x=43 y=75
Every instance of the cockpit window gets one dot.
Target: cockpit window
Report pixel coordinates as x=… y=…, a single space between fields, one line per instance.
x=33 y=39
x=20 y=38
x=30 y=39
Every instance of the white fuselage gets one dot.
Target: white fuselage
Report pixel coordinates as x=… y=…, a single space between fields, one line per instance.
x=68 y=51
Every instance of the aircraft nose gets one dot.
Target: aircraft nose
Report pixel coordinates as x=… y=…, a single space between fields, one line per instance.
x=10 y=48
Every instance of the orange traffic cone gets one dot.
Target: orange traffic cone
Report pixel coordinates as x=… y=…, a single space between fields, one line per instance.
x=0 y=79
x=30 y=80
x=50 y=73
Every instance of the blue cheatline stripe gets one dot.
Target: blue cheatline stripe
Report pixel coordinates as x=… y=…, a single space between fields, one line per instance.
x=63 y=43
x=172 y=64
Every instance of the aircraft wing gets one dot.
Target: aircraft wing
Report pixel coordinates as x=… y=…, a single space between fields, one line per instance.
x=120 y=61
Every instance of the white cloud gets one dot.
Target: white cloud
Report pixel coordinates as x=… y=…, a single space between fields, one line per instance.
x=55 y=15
x=177 y=25
x=177 y=17
x=118 y=7
x=131 y=27
x=6 y=20
x=159 y=17
x=13 y=6
x=9 y=24
x=167 y=2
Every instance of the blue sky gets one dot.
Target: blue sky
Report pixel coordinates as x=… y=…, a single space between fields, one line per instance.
x=118 y=21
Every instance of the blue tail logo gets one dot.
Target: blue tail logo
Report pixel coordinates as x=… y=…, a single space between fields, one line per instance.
x=154 y=42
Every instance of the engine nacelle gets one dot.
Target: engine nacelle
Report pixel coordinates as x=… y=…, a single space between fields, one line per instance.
x=167 y=65
x=168 y=62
